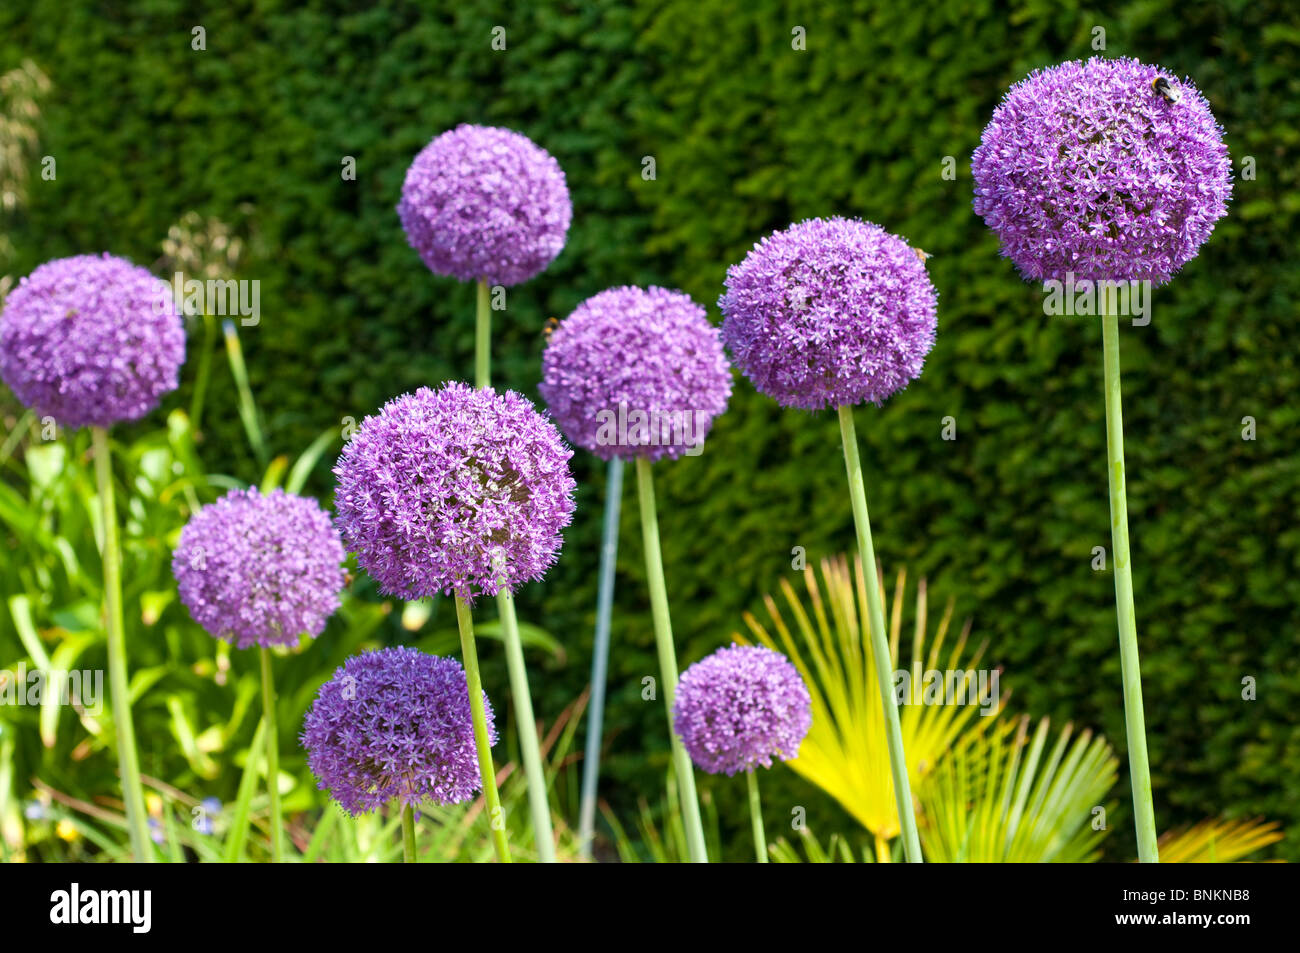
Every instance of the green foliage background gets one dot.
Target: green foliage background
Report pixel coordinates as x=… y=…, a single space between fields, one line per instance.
x=749 y=135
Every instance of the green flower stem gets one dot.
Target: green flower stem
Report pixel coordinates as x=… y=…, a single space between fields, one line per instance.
x=1135 y=723
x=756 y=815
x=538 y=803
x=600 y=654
x=668 y=659
x=496 y=819
x=119 y=689
x=879 y=642
x=539 y=806
x=408 y=834
x=272 y=754
x=482 y=337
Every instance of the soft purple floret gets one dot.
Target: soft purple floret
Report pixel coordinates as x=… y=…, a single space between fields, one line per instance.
x=395 y=723
x=481 y=202
x=739 y=708
x=1086 y=168
x=829 y=312
x=455 y=491
x=258 y=569
x=636 y=372
x=91 y=341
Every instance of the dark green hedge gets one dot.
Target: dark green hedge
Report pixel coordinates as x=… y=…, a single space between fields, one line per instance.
x=749 y=135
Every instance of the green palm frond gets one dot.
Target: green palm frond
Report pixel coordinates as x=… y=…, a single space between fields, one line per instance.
x=1004 y=797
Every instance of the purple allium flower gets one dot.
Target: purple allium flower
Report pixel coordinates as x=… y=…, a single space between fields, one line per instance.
x=457 y=491
x=394 y=724
x=91 y=341
x=636 y=372
x=740 y=707
x=257 y=569
x=829 y=312
x=481 y=202
x=1088 y=168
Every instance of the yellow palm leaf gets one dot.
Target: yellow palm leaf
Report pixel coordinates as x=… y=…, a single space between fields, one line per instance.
x=1216 y=840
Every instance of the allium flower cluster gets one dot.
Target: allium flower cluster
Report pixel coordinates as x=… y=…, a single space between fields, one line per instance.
x=260 y=569
x=91 y=340
x=829 y=312
x=636 y=372
x=740 y=707
x=394 y=724
x=455 y=491
x=1090 y=168
x=481 y=202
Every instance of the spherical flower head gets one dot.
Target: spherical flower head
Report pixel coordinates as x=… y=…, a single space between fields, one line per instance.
x=1097 y=169
x=455 y=491
x=739 y=708
x=394 y=724
x=485 y=203
x=258 y=569
x=91 y=341
x=829 y=312
x=636 y=372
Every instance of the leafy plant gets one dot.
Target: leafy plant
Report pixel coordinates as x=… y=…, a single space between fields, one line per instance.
x=837 y=850
x=667 y=845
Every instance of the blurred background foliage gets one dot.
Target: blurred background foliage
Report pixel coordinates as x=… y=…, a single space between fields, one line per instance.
x=747 y=135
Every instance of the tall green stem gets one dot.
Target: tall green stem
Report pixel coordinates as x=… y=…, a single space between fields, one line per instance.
x=496 y=819
x=756 y=815
x=119 y=689
x=539 y=806
x=1135 y=723
x=482 y=337
x=600 y=655
x=654 y=565
x=538 y=803
x=272 y=754
x=879 y=642
x=408 y=834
